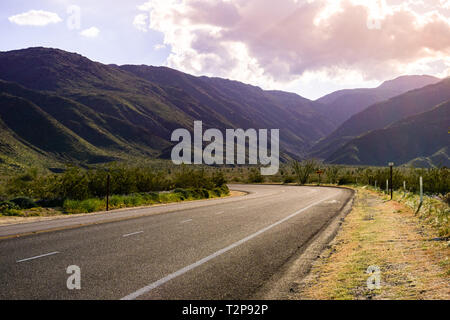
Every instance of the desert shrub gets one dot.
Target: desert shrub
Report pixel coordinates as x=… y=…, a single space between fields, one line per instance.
x=345 y=179
x=12 y=213
x=84 y=206
x=288 y=179
x=332 y=173
x=24 y=203
x=50 y=203
x=184 y=194
x=446 y=198
x=8 y=205
x=255 y=176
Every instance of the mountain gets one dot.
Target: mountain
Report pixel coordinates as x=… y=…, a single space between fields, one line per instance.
x=341 y=105
x=421 y=140
x=383 y=114
x=94 y=112
x=245 y=106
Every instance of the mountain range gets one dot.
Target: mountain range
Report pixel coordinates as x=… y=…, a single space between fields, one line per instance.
x=379 y=116
x=58 y=107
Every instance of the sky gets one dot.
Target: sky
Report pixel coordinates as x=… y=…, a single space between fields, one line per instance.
x=310 y=47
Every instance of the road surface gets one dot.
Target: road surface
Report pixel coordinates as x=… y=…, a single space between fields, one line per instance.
x=216 y=249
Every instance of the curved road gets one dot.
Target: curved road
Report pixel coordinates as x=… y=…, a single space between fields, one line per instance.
x=216 y=249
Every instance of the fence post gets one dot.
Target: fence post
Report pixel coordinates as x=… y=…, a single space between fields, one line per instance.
x=108 y=181
x=421 y=190
x=421 y=195
x=404 y=188
x=391 y=165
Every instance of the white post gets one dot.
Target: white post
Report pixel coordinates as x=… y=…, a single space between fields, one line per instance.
x=387 y=186
x=421 y=190
x=404 y=189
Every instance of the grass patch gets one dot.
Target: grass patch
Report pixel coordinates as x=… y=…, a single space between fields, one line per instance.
x=142 y=199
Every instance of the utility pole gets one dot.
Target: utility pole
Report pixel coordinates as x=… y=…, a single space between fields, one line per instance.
x=108 y=181
x=391 y=165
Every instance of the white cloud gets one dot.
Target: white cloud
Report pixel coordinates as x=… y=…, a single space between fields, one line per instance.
x=92 y=32
x=140 y=22
x=159 y=46
x=38 y=18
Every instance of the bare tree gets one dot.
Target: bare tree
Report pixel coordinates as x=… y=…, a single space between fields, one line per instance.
x=304 y=169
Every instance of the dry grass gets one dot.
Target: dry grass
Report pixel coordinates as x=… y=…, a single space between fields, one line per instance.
x=388 y=235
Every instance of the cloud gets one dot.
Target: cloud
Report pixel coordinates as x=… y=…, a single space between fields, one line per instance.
x=159 y=46
x=140 y=22
x=268 y=44
x=92 y=32
x=38 y=18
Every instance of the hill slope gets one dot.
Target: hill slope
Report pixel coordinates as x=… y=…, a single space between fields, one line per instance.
x=136 y=108
x=422 y=140
x=382 y=114
x=343 y=104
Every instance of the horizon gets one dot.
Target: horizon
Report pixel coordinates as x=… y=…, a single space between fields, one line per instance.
x=384 y=39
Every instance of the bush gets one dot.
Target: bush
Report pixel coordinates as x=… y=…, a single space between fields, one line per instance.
x=288 y=179
x=184 y=194
x=255 y=176
x=24 y=203
x=84 y=206
x=50 y=203
x=12 y=213
x=8 y=205
x=446 y=198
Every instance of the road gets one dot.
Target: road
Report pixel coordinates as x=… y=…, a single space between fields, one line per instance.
x=216 y=249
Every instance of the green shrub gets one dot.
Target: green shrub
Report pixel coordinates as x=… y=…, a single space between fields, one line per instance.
x=50 y=203
x=288 y=179
x=24 y=203
x=255 y=176
x=12 y=213
x=84 y=206
x=8 y=205
x=446 y=198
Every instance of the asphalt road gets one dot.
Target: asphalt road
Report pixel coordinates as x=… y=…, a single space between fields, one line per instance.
x=217 y=249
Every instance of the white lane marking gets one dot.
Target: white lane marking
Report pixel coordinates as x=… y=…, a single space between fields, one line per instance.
x=37 y=257
x=171 y=276
x=221 y=212
x=132 y=234
x=185 y=221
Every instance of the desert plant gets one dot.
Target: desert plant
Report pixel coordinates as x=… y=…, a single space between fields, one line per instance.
x=304 y=169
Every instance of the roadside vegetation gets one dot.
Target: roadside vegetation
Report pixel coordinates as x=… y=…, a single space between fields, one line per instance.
x=83 y=191
x=74 y=189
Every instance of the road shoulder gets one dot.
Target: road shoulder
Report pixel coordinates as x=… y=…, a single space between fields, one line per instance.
x=387 y=237
x=285 y=282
